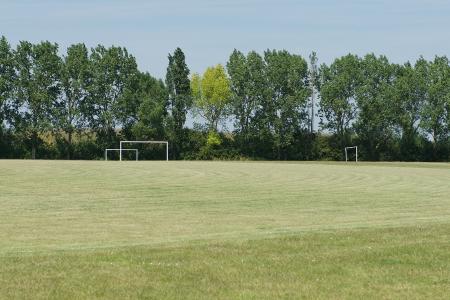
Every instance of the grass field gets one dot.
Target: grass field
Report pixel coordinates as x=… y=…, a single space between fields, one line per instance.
x=227 y=230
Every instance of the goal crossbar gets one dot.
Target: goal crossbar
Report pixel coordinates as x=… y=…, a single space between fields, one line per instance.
x=117 y=149
x=144 y=142
x=352 y=147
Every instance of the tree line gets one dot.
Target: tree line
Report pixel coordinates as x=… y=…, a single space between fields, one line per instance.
x=276 y=105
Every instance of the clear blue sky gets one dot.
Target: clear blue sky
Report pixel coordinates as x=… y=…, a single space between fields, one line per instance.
x=209 y=30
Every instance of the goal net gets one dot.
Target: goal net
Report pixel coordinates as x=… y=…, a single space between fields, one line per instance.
x=114 y=153
x=148 y=150
x=349 y=151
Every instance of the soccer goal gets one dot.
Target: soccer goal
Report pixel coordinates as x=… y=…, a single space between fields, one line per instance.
x=143 y=142
x=136 y=151
x=350 y=148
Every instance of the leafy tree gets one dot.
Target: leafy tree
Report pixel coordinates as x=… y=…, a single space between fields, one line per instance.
x=391 y=111
x=409 y=94
x=129 y=104
x=248 y=88
x=152 y=112
x=313 y=82
x=435 y=115
x=338 y=85
x=180 y=101
x=239 y=78
x=109 y=102
x=374 y=124
x=7 y=77
x=287 y=96
x=37 y=88
x=76 y=78
x=212 y=95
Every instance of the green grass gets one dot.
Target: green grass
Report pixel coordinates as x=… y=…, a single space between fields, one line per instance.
x=225 y=230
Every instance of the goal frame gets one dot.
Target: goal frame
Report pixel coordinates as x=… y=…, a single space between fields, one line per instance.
x=144 y=142
x=117 y=149
x=356 y=152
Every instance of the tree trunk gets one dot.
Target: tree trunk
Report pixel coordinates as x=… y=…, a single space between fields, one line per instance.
x=69 y=142
x=33 y=144
x=312 y=111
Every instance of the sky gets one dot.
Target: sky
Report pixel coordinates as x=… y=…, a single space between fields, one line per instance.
x=208 y=31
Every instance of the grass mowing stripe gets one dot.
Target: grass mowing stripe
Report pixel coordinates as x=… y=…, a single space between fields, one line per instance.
x=390 y=263
x=57 y=205
x=72 y=229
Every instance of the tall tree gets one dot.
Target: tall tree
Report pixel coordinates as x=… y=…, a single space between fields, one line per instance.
x=338 y=85
x=435 y=115
x=212 y=95
x=313 y=81
x=248 y=86
x=113 y=71
x=287 y=97
x=409 y=94
x=7 y=76
x=180 y=101
x=152 y=111
x=76 y=78
x=239 y=77
x=374 y=124
x=37 y=88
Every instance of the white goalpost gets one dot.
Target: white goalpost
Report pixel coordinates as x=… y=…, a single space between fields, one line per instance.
x=144 y=142
x=356 y=152
x=117 y=149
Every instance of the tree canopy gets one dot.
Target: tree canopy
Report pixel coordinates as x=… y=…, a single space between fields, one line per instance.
x=211 y=93
x=73 y=104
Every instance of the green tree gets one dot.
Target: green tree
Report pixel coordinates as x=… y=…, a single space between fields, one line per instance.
x=212 y=95
x=110 y=100
x=180 y=101
x=435 y=115
x=248 y=88
x=7 y=76
x=152 y=113
x=409 y=94
x=313 y=74
x=287 y=96
x=37 y=89
x=239 y=78
x=76 y=77
x=374 y=124
x=338 y=85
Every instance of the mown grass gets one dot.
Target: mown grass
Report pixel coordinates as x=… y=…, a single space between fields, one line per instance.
x=192 y=230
